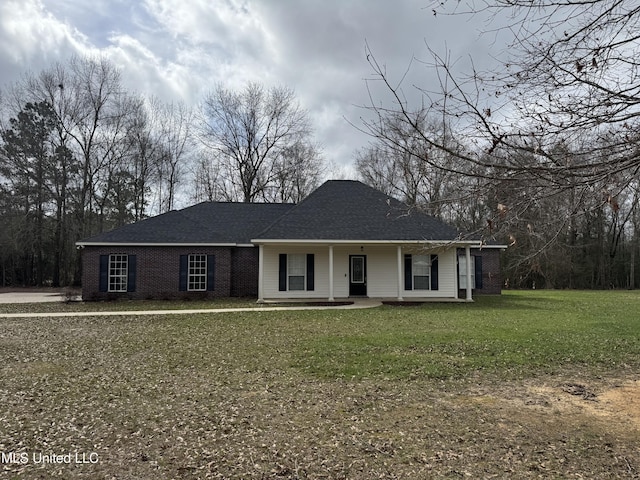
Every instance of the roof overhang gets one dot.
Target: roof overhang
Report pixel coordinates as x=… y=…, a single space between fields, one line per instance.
x=434 y=243
x=270 y=241
x=151 y=244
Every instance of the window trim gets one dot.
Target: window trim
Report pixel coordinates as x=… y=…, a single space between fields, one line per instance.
x=415 y=266
x=303 y=262
x=118 y=262
x=200 y=261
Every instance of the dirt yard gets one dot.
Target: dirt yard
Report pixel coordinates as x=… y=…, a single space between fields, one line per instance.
x=555 y=424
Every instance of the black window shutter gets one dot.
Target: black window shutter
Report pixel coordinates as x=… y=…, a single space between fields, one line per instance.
x=211 y=272
x=131 y=273
x=434 y=272
x=478 y=271
x=184 y=272
x=282 y=272
x=310 y=271
x=104 y=273
x=408 y=280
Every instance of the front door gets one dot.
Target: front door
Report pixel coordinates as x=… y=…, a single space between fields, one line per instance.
x=357 y=275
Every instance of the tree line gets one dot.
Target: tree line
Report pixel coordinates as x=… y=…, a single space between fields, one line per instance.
x=541 y=153
x=79 y=155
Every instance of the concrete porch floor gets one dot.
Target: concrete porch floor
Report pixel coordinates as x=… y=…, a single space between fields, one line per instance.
x=364 y=301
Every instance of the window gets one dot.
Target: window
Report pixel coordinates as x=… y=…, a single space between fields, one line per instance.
x=462 y=271
x=421 y=270
x=118 y=269
x=296 y=269
x=296 y=272
x=197 y=273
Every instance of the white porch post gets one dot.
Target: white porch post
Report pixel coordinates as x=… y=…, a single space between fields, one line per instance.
x=399 y=273
x=331 y=273
x=467 y=252
x=260 y=274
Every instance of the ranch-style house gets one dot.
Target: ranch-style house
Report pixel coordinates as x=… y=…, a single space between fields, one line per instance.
x=344 y=240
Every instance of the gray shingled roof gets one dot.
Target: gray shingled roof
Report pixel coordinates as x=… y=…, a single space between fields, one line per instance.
x=337 y=210
x=351 y=210
x=209 y=222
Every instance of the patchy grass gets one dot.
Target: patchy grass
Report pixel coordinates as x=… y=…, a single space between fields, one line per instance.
x=437 y=391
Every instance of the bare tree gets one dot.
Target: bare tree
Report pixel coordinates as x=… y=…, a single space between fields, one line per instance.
x=145 y=157
x=550 y=134
x=297 y=172
x=400 y=163
x=171 y=125
x=208 y=181
x=90 y=151
x=249 y=133
x=570 y=72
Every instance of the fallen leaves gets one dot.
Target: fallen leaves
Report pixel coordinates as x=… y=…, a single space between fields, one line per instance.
x=216 y=397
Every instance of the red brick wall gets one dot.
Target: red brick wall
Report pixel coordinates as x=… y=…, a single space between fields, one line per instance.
x=244 y=265
x=158 y=272
x=491 y=272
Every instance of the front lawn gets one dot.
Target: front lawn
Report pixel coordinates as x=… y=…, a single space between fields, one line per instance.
x=126 y=305
x=517 y=334
x=438 y=391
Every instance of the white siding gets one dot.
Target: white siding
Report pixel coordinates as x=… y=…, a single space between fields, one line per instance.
x=447 y=287
x=382 y=272
x=271 y=266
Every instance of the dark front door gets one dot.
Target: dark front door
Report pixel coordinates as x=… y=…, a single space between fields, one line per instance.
x=358 y=275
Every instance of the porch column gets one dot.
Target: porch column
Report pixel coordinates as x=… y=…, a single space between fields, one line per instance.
x=467 y=252
x=331 y=273
x=400 y=278
x=260 y=274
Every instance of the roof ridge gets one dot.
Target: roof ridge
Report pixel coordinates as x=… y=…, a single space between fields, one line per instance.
x=351 y=209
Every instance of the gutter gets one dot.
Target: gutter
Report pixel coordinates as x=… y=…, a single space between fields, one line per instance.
x=266 y=241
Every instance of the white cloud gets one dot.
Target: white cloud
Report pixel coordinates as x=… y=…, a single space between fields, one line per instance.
x=177 y=49
x=29 y=35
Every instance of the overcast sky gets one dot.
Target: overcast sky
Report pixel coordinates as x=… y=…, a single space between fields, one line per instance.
x=179 y=49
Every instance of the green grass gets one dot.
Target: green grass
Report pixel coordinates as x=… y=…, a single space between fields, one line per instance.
x=515 y=334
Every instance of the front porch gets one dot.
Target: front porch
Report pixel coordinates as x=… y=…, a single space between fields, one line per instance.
x=344 y=271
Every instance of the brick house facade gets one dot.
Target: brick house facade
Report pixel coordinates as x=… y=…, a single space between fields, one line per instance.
x=157 y=272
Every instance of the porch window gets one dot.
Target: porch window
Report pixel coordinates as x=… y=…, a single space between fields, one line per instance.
x=421 y=268
x=197 y=273
x=421 y=272
x=118 y=272
x=296 y=270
